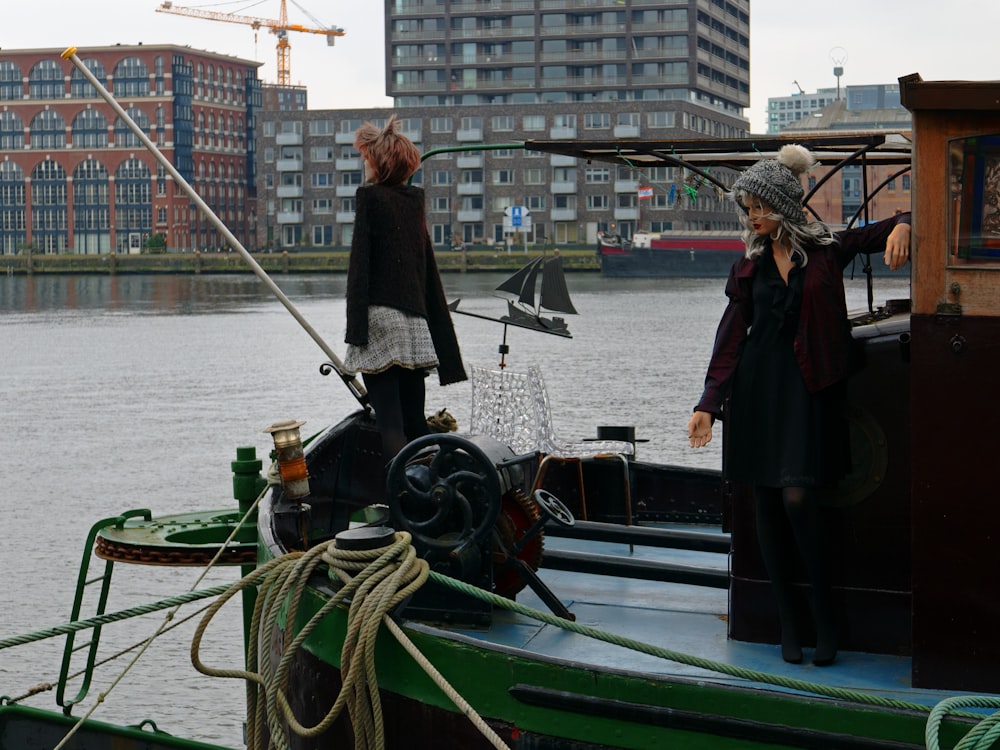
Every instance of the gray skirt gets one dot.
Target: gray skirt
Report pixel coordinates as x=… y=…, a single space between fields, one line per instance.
x=395 y=337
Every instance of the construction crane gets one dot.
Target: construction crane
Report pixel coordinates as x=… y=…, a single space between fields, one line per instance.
x=279 y=28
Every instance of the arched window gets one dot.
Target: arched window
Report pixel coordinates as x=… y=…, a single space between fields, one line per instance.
x=48 y=207
x=90 y=130
x=133 y=205
x=91 y=208
x=131 y=78
x=124 y=137
x=11 y=131
x=11 y=81
x=48 y=130
x=45 y=81
x=13 y=222
x=80 y=87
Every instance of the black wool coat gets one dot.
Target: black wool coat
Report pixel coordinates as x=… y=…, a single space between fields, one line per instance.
x=392 y=264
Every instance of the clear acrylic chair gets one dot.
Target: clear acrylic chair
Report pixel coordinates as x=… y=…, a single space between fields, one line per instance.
x=514 y=408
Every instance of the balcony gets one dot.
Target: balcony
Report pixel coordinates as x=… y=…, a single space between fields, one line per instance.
x=288 y=139
x=563 y=214
x=563 y=187
x=347 y=191
x=289 y=217
x=346 y=138
x=626 y=214
x=288 y=165
x=349 y=165
x=469 y=188
x=289 y=191
x=464 y=135
x=626 y=131
x=470 y=214
x=562 y=134
x=626 y=186
x=469 y=161
x=562 y=160
x=345 y=217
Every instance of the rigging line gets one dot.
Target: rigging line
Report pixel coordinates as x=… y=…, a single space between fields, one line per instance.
x=352 y=383
x=45 y=686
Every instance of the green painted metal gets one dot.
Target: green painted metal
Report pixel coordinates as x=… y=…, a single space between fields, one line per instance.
x=83 y=582
x=247 y=486
x=26 y=728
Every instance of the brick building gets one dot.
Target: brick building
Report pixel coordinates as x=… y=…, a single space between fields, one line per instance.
x=75 y=178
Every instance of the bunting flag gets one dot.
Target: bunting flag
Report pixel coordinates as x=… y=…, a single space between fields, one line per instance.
x=645 y=192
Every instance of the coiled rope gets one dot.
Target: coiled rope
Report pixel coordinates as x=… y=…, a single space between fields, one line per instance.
x=374 y=581
x=980 y=737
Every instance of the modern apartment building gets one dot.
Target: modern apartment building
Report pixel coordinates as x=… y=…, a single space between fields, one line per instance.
x=75 y=178
x=482 y=72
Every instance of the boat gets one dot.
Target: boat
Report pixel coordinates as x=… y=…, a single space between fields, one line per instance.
x=669 y=255
x=473 y=595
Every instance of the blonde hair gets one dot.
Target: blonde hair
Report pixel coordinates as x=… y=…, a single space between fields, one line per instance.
x=391 y=156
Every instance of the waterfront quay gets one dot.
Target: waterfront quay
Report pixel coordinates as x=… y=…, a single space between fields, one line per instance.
x=487 y=259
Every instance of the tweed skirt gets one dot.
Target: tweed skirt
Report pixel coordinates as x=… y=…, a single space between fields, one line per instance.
x=395 y=337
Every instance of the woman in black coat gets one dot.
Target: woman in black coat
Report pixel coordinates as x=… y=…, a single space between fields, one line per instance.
x=781 y=357
x=398 y=323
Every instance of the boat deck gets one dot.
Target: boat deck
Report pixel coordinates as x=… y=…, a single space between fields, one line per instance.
x=687 y=619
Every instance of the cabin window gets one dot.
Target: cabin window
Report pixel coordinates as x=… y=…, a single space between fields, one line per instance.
x=974 y=185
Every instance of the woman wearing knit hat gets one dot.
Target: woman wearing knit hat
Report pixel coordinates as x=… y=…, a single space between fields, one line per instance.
x=781 y=359
x=398 y=323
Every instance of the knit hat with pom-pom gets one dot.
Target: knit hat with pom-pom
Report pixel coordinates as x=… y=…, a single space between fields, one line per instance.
x=777 y=182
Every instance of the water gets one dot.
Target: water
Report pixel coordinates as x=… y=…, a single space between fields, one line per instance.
x=134 y=392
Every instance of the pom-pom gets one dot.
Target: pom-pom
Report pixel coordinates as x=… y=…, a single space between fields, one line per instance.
x=797 y=158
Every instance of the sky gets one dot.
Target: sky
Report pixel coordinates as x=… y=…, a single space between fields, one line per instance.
x=877 y=41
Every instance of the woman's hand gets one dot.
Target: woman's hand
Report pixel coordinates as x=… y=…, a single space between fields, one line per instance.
x=700 y=429
x=897 y=246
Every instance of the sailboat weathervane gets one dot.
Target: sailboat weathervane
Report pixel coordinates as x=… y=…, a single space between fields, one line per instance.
x=539 y=286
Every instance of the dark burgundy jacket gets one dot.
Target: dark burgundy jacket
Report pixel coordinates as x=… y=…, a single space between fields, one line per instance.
x=822 y=340
x=392 y=264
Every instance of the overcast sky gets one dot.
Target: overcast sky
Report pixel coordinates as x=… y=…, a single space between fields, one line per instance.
x=878 y=40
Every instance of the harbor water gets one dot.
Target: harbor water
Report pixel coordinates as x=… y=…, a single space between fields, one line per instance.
x=130 y=392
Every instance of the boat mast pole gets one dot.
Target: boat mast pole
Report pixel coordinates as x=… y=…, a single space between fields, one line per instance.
x=357 y=390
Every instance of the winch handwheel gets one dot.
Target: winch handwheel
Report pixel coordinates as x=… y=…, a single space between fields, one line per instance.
x=443 y=490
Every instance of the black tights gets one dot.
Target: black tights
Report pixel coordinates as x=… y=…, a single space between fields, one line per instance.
x=397 y=395
x=777 y=509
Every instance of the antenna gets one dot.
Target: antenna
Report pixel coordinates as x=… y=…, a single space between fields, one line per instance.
x=839 y=57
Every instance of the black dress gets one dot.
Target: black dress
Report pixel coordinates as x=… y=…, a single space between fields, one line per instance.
x=780 y=435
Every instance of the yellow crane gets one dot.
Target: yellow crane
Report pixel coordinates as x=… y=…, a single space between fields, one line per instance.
x=279 y=27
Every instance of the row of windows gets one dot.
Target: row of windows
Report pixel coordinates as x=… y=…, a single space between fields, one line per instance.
x=131 y=77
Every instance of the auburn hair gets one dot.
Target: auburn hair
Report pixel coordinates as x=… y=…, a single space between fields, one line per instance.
x=391 y=156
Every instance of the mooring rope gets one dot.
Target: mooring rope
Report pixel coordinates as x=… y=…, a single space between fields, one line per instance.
x=375 y=581
x=981 y=737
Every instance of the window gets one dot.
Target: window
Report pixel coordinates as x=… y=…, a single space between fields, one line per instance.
x=321 y=179
x=441 y=125
x=597 y=175
x=80 y=87
x=48 y=130
x=660 y=119
x=440 y=204
x=503 y=123
x=45 y=81
x=503 y=177
x=535 y=176
x=291 y=126
x=440 y=177
x=322 y=235
x=597 y=121
x=321 y=127
x=131 y=78
x=321 y=153
x=534 y=122
x=597 y=202
x=535 y=202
